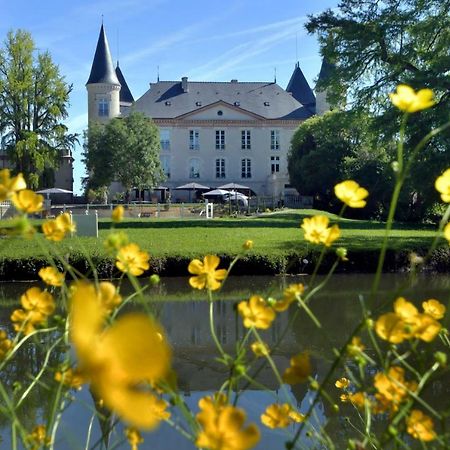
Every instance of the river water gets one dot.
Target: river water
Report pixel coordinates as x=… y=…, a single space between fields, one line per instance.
x=185 y=317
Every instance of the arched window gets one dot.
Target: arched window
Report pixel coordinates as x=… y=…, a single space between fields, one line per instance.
x=194 y=168
x=246 y=168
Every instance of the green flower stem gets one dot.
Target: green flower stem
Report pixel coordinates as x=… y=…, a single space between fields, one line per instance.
x=89 y=432
x=310 y=313
x=15 y=422
x=273 y=366
x=180 y=430
x=336 y=363
x=212 y=327
x=40 y=373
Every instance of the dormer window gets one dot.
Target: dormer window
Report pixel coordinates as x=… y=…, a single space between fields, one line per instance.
x=168 y=103
x=266 y=104
x=198 y=103
x=237 y=103
x=103 y=107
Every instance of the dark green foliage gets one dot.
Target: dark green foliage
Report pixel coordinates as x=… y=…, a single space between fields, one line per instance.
x=337 y=146
x=125 y=150
x=33 y=102
x=374 y=46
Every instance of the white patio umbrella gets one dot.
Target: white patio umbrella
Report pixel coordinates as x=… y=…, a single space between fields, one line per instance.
x=54 y=190
x=215 y=193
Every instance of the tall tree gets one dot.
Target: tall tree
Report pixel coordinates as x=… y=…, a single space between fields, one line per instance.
x=376 y=45
x=125 y=150
x=33 y=103
x=339 y=145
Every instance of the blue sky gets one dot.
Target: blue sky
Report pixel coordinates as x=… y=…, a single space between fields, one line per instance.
x=205 y=40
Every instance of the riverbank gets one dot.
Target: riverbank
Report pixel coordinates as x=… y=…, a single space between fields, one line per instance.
x=279 y=246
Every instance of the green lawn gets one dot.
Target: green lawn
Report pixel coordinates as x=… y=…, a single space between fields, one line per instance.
x=273 y=234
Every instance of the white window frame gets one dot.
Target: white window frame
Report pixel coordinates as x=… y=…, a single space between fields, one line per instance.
x=103 y=107
x=246 y=140
x=194 y=168
x=274 y=139
x=194 y=140
x=246 y=168
x=220 y=166
x=274 y=164
x=220 y=139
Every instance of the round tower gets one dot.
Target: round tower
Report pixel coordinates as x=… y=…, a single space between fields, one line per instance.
x=322 y=105
x=103 y=86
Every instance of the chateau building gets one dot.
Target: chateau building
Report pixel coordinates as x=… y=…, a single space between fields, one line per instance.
x=211 y=133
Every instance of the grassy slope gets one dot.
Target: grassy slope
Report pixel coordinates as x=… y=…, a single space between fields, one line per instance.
x=273 y=234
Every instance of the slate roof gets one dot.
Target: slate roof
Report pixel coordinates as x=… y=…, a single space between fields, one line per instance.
x=167 y=99
x=125 y=94
x=325 y=69
x=300 y=89
x=102 y=70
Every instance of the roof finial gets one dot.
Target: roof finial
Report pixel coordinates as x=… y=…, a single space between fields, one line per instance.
x=275 y=75
x=102 y=19
x=296 y=46
x=157 y=74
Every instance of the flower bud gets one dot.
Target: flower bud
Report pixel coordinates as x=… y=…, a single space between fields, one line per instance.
x=248 y=245
x=441 y=358
x=154 y=280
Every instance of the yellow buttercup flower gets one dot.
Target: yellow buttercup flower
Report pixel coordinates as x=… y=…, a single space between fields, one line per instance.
x=70 y=377
x=351 y=193
x=290 y=295
x=38 y=437
x=358 y=399
x=447 y=232
x=27 y=201
x=260 y=349
x=356 y=346
x=342 y=383
x=117 y=214
x=108 y=295
x=134 y=437
x=317 y=231
x=406 y=323
x=120 y=360
x=222 y=426
x=442 y=185
x=256 y=313
x=420 y=426
x=280 y=416
x=131 y=259
x=410 y=101
x=57 y=229
x=392 y=388
x=434 y=308
x=10 y=185
x=51 y=276
x=5 y=344
x=299 y=370
x=206 y=274
x=37 y=306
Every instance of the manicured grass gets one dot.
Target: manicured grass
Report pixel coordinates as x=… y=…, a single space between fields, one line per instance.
x=274 y=234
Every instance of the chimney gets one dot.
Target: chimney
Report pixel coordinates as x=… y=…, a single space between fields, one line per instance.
x=184 y=84
x=234 y=80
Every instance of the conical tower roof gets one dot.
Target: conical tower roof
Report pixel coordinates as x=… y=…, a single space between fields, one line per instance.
x=102 y=70
x=299 y=88
x=325 y=70
x=125 y=93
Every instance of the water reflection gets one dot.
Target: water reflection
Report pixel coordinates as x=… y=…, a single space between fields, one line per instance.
x=199 y=374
